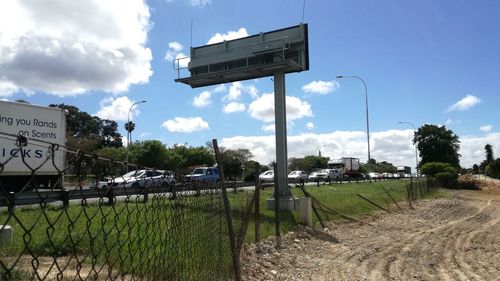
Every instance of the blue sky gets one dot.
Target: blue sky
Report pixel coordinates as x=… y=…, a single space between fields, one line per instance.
x=435 y=62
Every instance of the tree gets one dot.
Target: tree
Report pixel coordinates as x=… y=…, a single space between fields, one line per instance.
x=313 y=162
x=234 y=161
x=109 y=135
x=87 y=132
x=437 y=144
x=150 y=153
x=298 y=164
x=182 y=157
x=475 y=169
x=488 y=149
x=249 y=170
x=378 y=167
x=129 y=126
x=495 y=168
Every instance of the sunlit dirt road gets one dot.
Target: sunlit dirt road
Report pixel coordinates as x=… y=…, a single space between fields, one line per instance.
x=452 y=238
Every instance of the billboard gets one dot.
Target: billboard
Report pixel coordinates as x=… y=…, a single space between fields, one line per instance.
x=284 y=50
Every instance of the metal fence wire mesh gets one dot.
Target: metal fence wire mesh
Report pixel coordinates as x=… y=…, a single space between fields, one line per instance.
x=79 y=226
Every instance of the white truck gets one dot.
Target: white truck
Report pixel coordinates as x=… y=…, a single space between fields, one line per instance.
x=33 y=165
x=348 y=166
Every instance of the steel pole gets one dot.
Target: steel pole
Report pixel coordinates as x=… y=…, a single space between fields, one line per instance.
x=366 y=109
x=416 y=151
x=281 y=142
x=129 y=133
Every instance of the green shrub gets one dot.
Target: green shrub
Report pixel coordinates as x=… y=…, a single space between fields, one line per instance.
x=444 y=173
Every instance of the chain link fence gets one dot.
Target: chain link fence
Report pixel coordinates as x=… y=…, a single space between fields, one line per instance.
x=90 y=220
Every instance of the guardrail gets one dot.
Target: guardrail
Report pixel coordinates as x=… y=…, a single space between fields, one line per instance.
x=12 y=199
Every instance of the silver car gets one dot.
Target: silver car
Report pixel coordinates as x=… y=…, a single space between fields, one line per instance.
x=267 y=176
x=326 y=175
x=298 y=176
x=140 y=178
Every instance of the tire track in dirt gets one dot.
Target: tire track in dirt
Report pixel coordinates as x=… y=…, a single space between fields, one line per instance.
x=455 y=238
x=392 y=263
x=487 y=226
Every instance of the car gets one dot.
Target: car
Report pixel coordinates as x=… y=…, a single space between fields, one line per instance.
x=140 y=178
x=326 y=175
x=203 y=174
x=373 y=175
x=298 y=176
x=267 y=176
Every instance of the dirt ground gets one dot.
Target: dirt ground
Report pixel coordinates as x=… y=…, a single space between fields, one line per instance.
x=455 y=238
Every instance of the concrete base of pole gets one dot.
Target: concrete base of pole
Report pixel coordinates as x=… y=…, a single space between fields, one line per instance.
x=302 y=205
x=5 y=234
x=305 y=210
x=285 y=204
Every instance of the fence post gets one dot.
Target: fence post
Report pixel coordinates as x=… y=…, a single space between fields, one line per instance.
x=277 y=207
x=174 y=191
x=110 y=195
x=65 y=198
x=257 y=202
x=11 y=197
x=232 y=238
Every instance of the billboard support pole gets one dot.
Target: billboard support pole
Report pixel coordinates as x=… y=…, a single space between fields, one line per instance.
x=281 y=143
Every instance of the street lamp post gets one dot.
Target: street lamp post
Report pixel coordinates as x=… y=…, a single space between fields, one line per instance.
x=366 y=105
x=416 y=153
x=129 y=133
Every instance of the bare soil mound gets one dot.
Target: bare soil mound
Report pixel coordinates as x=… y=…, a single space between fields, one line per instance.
x=455 y=238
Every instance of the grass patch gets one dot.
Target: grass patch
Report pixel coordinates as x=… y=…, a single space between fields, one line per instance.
x=162 y=239
x=183 y=239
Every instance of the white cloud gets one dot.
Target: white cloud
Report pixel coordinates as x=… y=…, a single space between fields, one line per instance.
x=450 y=121
x=465 y=103
x=220 y=88
x=237 y=89
x=143 y=135
x=60 y=48
x=230 y=35
x=174 y=53
x=200 y=3
x=321 y=87
x=486 y=128
x=203 y=99
x=268 y=128
x=310 y=125
x=252 y=91
x=7 y=89
x=263 y=108
x=233 y=107
x=472 y=148
x=393 y=146
x=117 y=109
x=234 y=91
x=185 y=125
x=195 y=3
x=175 y=46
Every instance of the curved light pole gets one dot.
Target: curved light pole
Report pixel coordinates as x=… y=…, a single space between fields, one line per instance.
x=366 y=105
x=129 y=133
x=416 y=153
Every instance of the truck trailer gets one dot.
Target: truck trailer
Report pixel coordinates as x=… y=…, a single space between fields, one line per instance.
x=349 y=167
x=31 y=141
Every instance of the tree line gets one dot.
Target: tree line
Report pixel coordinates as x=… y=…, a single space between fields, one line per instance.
x=438 y=148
